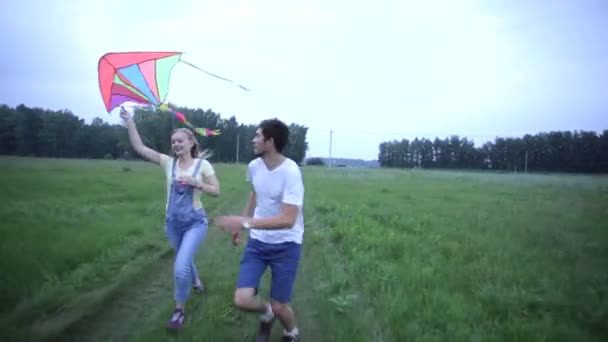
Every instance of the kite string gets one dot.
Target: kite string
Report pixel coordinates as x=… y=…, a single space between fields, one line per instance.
x=217 y=76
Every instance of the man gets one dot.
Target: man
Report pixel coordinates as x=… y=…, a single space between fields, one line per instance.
x=274 y=216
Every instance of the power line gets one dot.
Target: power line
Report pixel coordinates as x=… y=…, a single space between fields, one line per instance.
x=330 y=141
x=238 y=135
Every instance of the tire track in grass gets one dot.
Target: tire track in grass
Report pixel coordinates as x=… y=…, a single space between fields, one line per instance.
x=307 y=297
x=210 y=316
x=149 y=294
x=54 y=309
x=322 y=294
x=141 y=307
x=123 y=313
x=214 y=317
x=333 y=303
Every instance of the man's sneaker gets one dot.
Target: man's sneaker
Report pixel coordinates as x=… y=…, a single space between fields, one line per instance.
x=177 y=319
x=264 y=331
x=289 y=338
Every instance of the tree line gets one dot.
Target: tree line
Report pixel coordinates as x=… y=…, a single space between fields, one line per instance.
x=555 y=151
x=37 y=132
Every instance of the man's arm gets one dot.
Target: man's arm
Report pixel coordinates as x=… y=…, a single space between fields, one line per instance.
x=293 y=198
x=248 y=212
x=286 y=219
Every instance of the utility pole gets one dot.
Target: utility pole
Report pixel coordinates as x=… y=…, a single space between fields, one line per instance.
x=237 y=147
x=526 y=163
x=331 y=132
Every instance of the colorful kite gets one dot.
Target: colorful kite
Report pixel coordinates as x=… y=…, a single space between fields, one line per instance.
x=143 y=78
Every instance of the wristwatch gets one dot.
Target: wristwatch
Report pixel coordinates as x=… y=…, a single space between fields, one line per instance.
x=245 y=224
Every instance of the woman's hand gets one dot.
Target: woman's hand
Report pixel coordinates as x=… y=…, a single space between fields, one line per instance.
x=124 y=114
x=135 y=139
x=188 y=180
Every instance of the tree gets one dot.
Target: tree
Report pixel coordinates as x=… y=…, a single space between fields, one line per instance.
x=315 y=162
x=29 y=131
x=297 y=146
x=578 y=151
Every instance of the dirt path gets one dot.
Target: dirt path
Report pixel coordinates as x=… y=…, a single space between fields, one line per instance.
x=127 y=309
x=147 y=298
x=140 y=308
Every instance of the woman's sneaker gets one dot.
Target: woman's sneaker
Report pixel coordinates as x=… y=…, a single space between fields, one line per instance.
x=198 y=287
x=177 y=319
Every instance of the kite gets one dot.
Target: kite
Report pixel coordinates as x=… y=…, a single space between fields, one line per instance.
x=143 y=78
x=182 y=118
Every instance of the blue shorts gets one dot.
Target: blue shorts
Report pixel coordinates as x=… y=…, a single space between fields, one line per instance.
x=283 y=259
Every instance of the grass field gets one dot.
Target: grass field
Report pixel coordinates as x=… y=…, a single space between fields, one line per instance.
x=389 y=255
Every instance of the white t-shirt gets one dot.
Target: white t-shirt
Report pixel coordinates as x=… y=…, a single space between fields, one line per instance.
x=272 y=189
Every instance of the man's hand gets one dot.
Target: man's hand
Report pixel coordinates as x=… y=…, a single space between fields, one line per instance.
x=236 y=238
x=230 y=224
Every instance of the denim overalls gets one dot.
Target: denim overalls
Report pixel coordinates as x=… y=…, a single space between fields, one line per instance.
x=186 y=228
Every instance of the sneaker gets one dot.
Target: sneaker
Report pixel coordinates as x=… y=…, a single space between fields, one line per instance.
x=289 y=338
x=198 y=287
x=264 y=331
x=177 y=319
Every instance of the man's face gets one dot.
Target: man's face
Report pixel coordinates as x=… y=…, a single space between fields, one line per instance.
x=260 y=147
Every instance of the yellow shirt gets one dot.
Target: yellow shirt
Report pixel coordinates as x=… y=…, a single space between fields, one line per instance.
x=206 y=170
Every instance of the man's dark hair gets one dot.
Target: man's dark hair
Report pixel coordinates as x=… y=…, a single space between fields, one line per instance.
x=277 y=130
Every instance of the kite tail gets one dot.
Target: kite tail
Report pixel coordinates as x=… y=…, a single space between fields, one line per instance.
x=220 y=77
x=205 y=154
x=206 y=132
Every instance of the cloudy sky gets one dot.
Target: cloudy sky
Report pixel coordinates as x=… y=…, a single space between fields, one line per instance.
x=372 y=73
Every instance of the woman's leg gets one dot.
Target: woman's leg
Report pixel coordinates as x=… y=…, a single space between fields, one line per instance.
x=175 y=240
x=184 y=268
x=185 y=242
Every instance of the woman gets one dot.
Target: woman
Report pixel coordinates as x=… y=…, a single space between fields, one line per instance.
x=188 y=175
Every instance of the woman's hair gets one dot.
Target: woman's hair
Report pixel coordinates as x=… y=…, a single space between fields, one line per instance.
x=195 y=152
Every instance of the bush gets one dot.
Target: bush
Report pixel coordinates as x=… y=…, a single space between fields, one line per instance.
x=315 y=161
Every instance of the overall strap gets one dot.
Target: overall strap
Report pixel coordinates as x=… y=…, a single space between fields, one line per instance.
x=197 y=168
x=173 y=168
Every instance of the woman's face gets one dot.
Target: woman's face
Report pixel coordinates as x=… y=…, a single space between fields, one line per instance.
x=181 y=143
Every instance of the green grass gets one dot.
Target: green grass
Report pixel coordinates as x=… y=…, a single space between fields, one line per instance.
x=389 y=255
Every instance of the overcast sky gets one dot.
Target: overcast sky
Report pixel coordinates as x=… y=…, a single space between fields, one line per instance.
x=417 y=68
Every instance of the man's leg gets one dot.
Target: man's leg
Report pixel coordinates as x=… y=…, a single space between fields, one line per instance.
x=245 y=299
x=251 y=270
x=253 y=265
x=284 y=267
x=285 y=314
